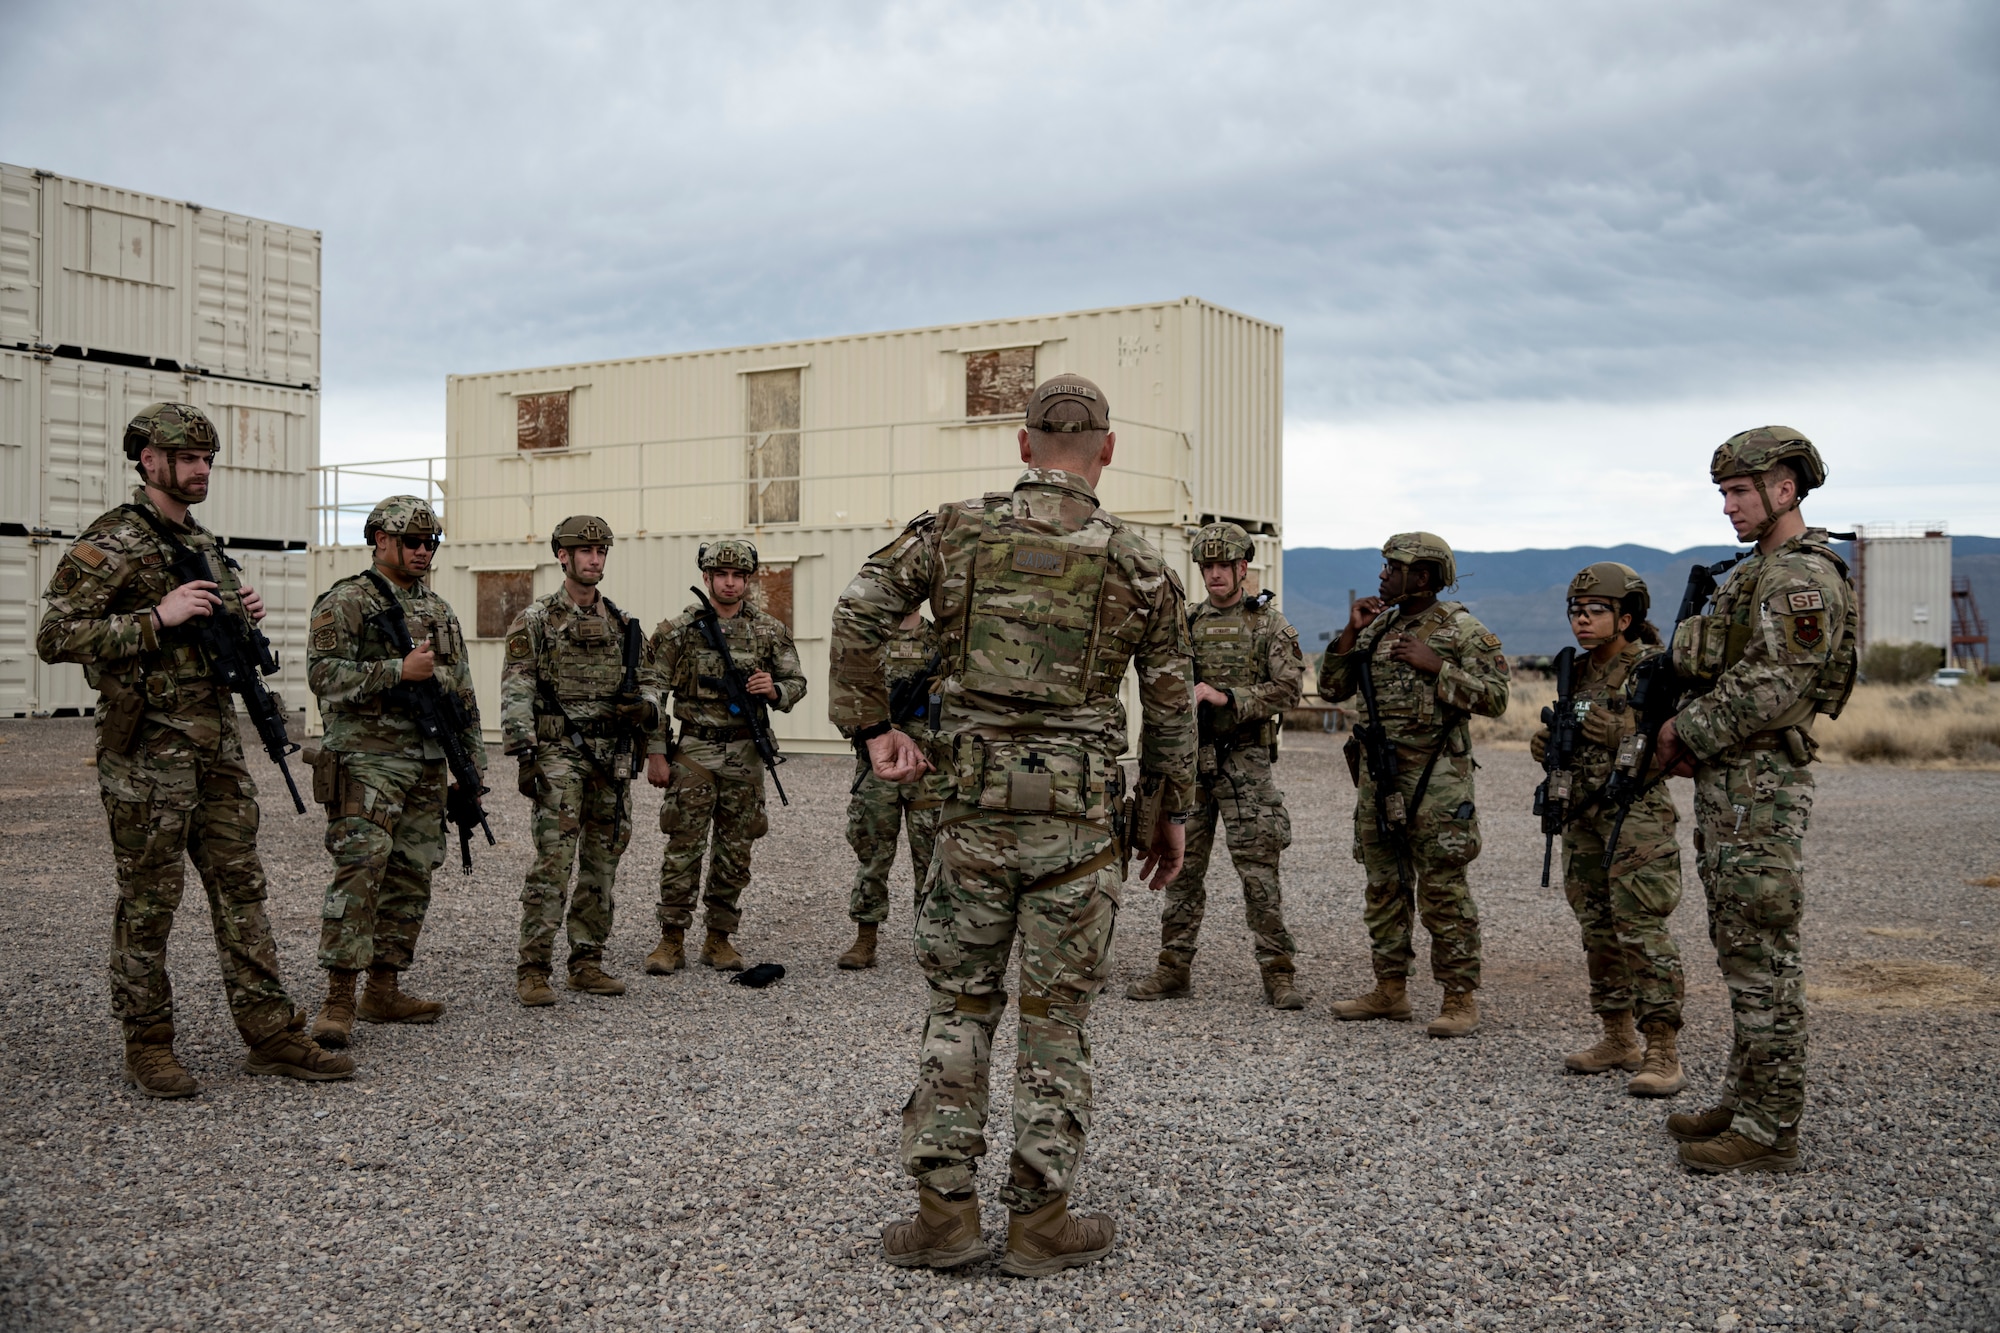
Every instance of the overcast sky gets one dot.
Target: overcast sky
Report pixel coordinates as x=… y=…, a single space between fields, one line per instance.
x=1533 y=260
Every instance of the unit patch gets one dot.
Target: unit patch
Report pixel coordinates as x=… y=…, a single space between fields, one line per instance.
x=1809 y=600
x=1027 y=560
x=1806 y=632
x=66 y=577
x=89 y=555
x=1489 y=640
x=518 y=647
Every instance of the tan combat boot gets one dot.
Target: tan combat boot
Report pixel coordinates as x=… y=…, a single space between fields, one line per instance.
x=861 y=953
x=671 y=955
x=1389 y=999
x=383 y=1001
x=532 y=989
x=943 y=1234
x=1700 y=1126
x=1661 y=1076
x=1279 y=990
x=1049 y=1240
x=1458 y=1018
x=150 y=1065
x=290 y=1053
x=717 y=952
x=1170 y=980
x=1618 y=1048
x=1730 y=1151
x=334 y=1027
x=585 y=975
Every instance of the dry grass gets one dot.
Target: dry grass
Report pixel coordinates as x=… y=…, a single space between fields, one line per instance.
x=1916 y=724
x=1906 y=983
x=1985 y=882
x=1526 y=698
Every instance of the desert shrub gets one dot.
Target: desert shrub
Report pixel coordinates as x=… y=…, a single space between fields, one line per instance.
x=1900 y=663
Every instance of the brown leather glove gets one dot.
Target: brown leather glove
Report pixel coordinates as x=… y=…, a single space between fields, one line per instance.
x=1538 y=745
x=1604 y=727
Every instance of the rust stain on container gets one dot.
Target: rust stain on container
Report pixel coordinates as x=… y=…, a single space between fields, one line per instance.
x=771 y=593
x=541 y=421
x=997 y=383
x=771 y=414
x=503 y=594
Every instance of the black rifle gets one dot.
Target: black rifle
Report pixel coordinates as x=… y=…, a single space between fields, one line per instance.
x=239 y=656
x=1553 y=798
x=440 y=716
x=745 y=707
x=1658 y=693
x=1384 y=768
x=910 y=700
x=631 y=738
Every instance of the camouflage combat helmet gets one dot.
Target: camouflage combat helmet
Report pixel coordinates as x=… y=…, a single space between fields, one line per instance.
x=1408 y=548
x=1613 y=582
x=1751 y=454
x=580 y=530
x=729 y=553
x=1221 y=542
x=169 y=426
x=400 y=514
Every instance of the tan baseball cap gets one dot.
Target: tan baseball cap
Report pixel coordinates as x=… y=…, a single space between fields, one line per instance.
x=1046 y=410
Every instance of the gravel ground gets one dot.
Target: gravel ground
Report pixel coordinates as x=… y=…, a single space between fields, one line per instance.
x=695 y=1154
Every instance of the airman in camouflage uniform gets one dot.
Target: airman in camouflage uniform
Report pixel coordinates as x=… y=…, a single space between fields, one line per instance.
x=382 y=782
x=1779 y=647
x=1434 y=666
x=169 y=760
x=1247 y=668
x=713 y=777
x=877 y=811
x=1042 y=598
x=579 y=738
x=1634 y=965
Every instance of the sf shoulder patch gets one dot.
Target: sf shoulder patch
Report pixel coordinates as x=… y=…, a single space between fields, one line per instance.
x=1809 y=600
x=1806 y=632
x=1489 y=640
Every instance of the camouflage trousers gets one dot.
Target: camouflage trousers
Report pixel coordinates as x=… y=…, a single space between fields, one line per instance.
x=1633 y=962
x=176 y=797
x=996 y=876
x=711 y=796
x=875 y=814
x=1751 y=812
x=582 y=821
x=1443 y=839
x=1250 y=808
x=385 y=832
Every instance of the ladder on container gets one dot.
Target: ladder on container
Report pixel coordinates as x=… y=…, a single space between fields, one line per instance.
x=1968 y=627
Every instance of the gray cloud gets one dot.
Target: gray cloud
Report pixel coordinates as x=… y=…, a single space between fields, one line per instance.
x=1441 y=203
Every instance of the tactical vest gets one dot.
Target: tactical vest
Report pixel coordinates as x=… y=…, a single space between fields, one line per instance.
x=446 y=640
x=1705 y=646
x=1022 y=610
x=583 y=660
x=179 y=662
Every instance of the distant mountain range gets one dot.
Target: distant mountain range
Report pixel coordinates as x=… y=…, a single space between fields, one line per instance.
x=1519 y=594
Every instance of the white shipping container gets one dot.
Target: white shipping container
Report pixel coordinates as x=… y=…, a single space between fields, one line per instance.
x=93 y=268
x=1903 y=576
x=31 y=687
x=62 y=456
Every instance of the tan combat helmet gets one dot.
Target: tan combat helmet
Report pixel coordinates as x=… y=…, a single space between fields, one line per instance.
x=1068 y=405
x=1408 y=548
x=1607 y=580
x=580 y=530
x=170 y=426
x=729 y=553
x=1751 y=454
x=1222 y=542
x=400 y=514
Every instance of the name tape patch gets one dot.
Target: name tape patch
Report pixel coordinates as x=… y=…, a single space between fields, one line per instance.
x=1030 y=561
x=1809 y=600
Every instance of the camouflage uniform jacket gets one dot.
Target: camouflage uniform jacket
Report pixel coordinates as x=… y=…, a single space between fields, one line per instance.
x=1608 y=686
x=1415 y=707
x=1778 y=644
x=907 y=659
x=351 y=666
x=679 y=660
x=579 y=653
x=99 y=614
x=1038 y=626
x=1250 y=652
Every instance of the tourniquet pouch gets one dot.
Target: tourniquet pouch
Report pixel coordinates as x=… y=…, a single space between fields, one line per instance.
x=1034 y=777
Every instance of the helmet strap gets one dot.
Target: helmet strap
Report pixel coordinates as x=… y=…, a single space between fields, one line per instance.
x=1771 y=512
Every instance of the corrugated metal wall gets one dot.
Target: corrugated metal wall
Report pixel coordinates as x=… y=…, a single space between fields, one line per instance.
x=103 y=269
x=1905 y=590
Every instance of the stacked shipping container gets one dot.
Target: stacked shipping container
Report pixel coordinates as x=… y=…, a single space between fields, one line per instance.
x=821 y=450
x=110 y=300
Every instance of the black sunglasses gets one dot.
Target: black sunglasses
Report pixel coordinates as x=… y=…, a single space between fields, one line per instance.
x=427 y=543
